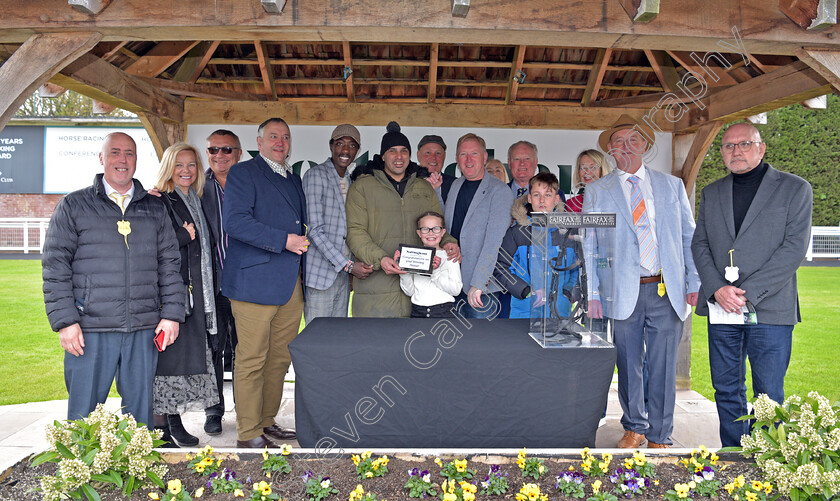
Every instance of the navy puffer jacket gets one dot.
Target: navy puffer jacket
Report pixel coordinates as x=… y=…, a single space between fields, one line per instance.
x=93 y=278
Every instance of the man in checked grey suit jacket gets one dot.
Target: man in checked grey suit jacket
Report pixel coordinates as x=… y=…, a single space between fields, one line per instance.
x=478 y=215
x=648 y=325
x=760 y=218
x=329 y=263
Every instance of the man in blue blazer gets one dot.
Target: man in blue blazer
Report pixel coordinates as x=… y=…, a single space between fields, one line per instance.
x=753 y=230
x=654 y=278
x=265 y=218
x=478 y=215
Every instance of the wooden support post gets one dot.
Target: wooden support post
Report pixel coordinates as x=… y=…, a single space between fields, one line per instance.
x=163 y=135
x=195 y=62
x=641 y=11
x=348 y=74
x=824 y=62
x=810 y=14
x=596 y=76
x=35 y=62
x=688 y=153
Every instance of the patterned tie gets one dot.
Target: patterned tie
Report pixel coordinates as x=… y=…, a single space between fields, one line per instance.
x=647 y=250
x=119 y=199
x=520 y=192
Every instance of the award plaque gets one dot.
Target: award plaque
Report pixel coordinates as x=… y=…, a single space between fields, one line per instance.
x=415 y=259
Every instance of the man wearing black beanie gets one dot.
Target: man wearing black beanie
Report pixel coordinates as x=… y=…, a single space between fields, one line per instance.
x=383 y=204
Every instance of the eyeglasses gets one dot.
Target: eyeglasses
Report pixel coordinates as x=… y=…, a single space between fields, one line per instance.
x=227 y=150
x=744 y=146
x=434 y=229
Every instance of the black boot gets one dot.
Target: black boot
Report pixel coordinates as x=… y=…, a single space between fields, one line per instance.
x=181 y=436
x=167 y=437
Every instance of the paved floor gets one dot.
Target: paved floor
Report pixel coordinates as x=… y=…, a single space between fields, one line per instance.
x=22 y=426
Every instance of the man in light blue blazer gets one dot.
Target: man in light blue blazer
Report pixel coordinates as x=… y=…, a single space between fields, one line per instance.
x=478 y=215
x=654 y=283
x=264 y=215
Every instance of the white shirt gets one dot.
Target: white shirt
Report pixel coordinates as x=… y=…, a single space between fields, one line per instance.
x=111 y=191
x=647 y=194
x=442 y=287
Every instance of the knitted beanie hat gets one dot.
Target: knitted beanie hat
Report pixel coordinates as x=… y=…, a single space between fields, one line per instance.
x=393 y=138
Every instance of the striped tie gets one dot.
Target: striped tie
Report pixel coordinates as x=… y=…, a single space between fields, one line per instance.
x=647 y=250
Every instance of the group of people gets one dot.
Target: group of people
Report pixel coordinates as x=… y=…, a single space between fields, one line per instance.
x=152 y=287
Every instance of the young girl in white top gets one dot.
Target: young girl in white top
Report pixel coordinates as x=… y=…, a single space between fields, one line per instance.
x=432 y=296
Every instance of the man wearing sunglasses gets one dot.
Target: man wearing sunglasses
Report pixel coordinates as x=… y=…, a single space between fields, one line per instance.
x=753 y=229
x=223 y=151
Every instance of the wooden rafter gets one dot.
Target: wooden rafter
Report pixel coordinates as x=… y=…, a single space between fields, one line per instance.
x=516 y=67
x=266 y=70
x=687 y=62
x=114 y=51
x=35 y=62
x=162 y=134
x=160 y=57
x=95 y=78
x=433 y=71
x=758 y=64
x=195 y=61
x=200 y=91
x=824 y=62
x=662 y=65
x=641 y=11
x=793 y=83
x=810 y=14
x=348 y=63
x=596 y=76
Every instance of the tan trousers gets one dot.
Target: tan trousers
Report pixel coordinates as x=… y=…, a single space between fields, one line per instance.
x=262 y=359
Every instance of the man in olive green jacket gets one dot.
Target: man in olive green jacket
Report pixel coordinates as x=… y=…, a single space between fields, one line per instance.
x=383 y=204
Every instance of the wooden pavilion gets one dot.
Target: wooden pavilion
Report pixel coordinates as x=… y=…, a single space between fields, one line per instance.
x=687 y=67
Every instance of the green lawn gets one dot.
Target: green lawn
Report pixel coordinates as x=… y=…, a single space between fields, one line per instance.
x=31 y=359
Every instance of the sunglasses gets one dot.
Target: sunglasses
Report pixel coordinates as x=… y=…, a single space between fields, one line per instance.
x=227 y=150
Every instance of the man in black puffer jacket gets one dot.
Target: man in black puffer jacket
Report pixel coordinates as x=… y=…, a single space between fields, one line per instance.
x=111 y=282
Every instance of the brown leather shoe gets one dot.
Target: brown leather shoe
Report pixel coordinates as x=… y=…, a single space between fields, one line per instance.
x=278 y=433
x=631 y=440
x=654 y=445
x=260 y=442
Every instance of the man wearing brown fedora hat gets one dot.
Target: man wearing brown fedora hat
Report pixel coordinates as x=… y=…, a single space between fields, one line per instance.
x=655 y=281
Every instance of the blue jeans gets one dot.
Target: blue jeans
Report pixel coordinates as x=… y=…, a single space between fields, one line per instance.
x=491 y=309
x=768 y=348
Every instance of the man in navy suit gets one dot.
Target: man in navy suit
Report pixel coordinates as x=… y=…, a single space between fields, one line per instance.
x=265 y=218
x=655 y=280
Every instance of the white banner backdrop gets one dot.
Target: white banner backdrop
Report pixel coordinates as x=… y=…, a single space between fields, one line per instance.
x=71 y=157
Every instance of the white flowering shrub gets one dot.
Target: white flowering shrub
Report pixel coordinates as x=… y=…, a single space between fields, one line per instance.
x=101 y=450
x=797 y=445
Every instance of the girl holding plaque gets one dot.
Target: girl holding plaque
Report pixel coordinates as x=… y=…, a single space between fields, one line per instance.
x=432 y=296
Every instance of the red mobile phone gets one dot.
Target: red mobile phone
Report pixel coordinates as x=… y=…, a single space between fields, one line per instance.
x=159 y=340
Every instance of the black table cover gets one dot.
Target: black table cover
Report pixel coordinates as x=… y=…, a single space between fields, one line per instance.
x=418 y=383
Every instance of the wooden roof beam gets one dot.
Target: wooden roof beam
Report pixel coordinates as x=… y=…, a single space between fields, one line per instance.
x=348 y=71
x=663 y=66
x=98 y=79
x=35 y=62
x=433 y=71
x=162 y=134
x=199 y=91
x=641 y=11
x=824 y=62
x=793 y=83
x=160 y=57
x=701 y=65
x=689 y=150
x=596 y=76
x=266 y=70
x=517 y=76
x=316 y=112
x=810 y=14
x=195 y=61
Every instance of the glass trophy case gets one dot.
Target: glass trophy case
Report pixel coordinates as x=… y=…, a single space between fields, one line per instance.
x=571 y=262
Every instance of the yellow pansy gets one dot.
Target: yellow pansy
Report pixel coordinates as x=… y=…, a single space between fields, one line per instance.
x=460 y=465
x=751 y=496
x=596 y=486
x=285 y=449
x=199 y=492
x=469 y=496
x=199 y=468
x=450 y=497
x=238 y=493
x=355 y=459
x=174 y=486
x=437 y=462
x=154 y=495
x=265 y=453
x=756 y=485
x=368 y=474
x=767 y=487
x=692 y=485
x=739 y=481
